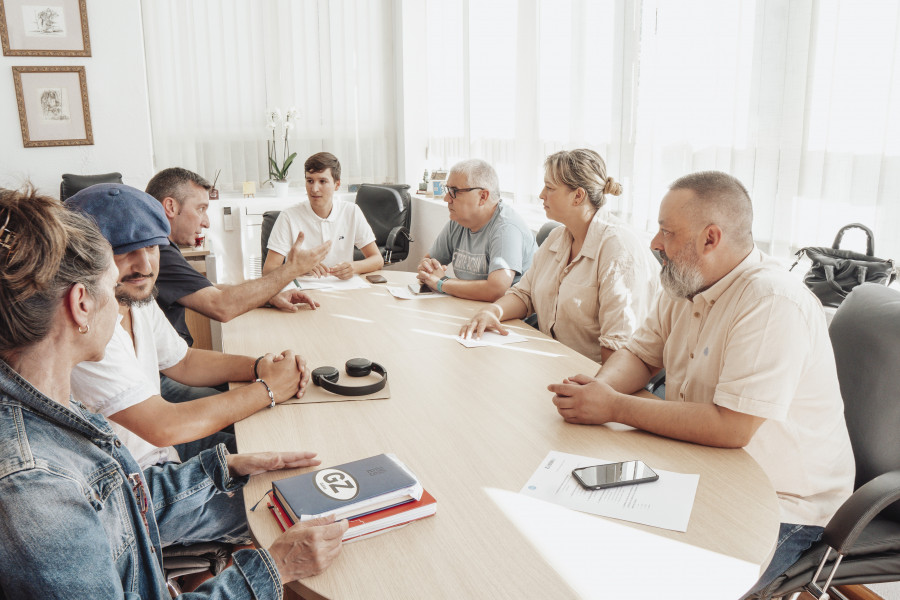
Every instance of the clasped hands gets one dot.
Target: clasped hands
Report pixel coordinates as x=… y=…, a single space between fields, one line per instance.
x=584 y=400
x=309 y=547
x=430 y=272
x=286 y=374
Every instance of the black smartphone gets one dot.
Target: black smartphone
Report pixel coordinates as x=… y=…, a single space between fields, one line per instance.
x=629 y=472
x=376 y=279
x=420 y=288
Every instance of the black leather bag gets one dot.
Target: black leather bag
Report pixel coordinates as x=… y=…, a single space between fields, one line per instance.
x=835 y=272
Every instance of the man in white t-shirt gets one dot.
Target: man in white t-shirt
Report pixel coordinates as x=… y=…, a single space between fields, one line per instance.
x=322 y=219
x=124 y=386
x=748 y=362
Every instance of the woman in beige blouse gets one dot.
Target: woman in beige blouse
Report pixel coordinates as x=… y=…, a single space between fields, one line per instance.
x=592 y=281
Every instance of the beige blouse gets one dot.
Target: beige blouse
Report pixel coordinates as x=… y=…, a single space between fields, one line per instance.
x=601 y=297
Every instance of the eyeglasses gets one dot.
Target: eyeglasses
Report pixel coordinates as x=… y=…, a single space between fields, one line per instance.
x=453 y=191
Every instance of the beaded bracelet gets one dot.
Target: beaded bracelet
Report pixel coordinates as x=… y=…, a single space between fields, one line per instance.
x=269 y=390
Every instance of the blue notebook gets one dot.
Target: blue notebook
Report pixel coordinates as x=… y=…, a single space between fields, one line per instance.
x=348 y=491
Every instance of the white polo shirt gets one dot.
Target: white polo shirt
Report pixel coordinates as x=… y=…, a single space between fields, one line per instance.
x=129 y=374
x=346 y=227
x=756 y=342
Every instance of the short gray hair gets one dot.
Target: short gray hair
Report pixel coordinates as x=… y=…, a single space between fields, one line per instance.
x=722 y=200
x=479 y=173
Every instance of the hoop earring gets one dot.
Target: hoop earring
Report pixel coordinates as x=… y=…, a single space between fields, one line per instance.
x=82 y=329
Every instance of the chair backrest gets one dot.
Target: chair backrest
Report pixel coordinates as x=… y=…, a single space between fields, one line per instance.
x=268 y=222
x=545 y=230
x=865 y=334
x=386 y=208
x=72 y=184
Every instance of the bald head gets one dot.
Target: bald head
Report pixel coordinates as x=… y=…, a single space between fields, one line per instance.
x=722 y=200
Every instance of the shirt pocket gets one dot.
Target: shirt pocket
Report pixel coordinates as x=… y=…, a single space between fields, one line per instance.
x=577 y=301
x=107 y=494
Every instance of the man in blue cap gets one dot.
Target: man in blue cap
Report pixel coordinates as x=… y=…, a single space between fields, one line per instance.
x=124 y=386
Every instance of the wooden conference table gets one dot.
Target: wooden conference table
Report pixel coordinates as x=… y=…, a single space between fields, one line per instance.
x=473 y=425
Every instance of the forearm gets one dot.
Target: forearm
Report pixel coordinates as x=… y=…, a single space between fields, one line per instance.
x=165 y=423
x=368 y=264
x=235 y=300
x=624 y=372
x=201 y=368
x=706 y=424
x=483 y=290
x=508 y=307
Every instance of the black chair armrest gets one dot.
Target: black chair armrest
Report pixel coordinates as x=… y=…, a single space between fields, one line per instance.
x=859 y=510
x=394 y=235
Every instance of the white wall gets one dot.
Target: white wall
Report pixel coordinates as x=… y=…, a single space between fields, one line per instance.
x=117 y=93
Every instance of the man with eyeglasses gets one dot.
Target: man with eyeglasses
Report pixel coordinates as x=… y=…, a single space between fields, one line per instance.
x=486 y=241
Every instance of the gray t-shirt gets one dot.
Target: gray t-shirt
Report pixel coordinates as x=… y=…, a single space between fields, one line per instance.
x=504 y=243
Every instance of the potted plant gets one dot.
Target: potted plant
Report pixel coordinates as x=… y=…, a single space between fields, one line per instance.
x=278 y=168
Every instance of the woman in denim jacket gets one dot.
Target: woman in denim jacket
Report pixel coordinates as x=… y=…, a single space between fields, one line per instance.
x=78 y=519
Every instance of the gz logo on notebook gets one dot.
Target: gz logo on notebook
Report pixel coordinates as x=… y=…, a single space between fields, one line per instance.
x=336 y=484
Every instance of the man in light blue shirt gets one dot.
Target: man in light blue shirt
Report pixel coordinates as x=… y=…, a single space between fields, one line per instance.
x=486 y=241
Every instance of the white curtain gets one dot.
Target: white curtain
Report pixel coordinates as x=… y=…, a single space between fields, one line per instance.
x=215 y=66
x=797 y=98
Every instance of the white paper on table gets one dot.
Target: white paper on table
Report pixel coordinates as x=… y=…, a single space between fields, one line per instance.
x=490 y=338
x=329 y=282
x=404 y=294
x=664 y=503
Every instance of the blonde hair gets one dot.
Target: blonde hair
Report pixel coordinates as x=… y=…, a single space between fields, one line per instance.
x=582 y=168
x=45 y=249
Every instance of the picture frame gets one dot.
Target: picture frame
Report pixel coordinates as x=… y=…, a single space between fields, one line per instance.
x=49 y=109
x=44 y=28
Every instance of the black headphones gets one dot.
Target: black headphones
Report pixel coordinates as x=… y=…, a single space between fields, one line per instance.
x=327 y=377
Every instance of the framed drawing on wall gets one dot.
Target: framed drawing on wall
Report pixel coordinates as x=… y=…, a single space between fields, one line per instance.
x=44 y=28
x=53 y=106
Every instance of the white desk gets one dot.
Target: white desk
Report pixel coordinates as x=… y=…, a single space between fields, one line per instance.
x=473 y=424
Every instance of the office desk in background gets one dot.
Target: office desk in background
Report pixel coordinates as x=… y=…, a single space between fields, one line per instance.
x=473 y=425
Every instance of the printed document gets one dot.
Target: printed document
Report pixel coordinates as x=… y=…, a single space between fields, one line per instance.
x=404 y=294
x=490 y=338
x=665 y=503
x=329 y=282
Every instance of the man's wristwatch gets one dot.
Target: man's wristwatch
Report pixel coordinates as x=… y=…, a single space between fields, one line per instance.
x=440 y=284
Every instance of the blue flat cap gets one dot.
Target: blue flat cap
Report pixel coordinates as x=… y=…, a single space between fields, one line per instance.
x=127 y=217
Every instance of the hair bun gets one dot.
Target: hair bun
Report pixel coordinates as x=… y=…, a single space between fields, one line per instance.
x=612 y=187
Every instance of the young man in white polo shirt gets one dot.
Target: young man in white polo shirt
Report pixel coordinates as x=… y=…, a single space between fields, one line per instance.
x=321 y=219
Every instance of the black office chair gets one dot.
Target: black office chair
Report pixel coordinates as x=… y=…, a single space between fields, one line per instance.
x=72 y=184
x=861 y=543
x=545 y=230
x=268 y=222
x=388 y=209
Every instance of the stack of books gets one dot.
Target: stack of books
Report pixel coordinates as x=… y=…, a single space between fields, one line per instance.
x=374 y=494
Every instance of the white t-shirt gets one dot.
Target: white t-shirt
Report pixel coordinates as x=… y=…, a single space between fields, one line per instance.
x=129 y=374
x=346 y=227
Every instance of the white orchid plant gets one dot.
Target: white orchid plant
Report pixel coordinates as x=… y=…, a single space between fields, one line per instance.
x=281 y=127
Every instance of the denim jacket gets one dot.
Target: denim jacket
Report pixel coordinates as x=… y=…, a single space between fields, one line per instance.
x=70 y=517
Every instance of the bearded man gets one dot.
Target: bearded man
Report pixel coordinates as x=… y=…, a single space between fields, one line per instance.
x=748 y=361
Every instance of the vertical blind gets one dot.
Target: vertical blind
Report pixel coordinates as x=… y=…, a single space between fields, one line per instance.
x=214 y=67
x=796 y=98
